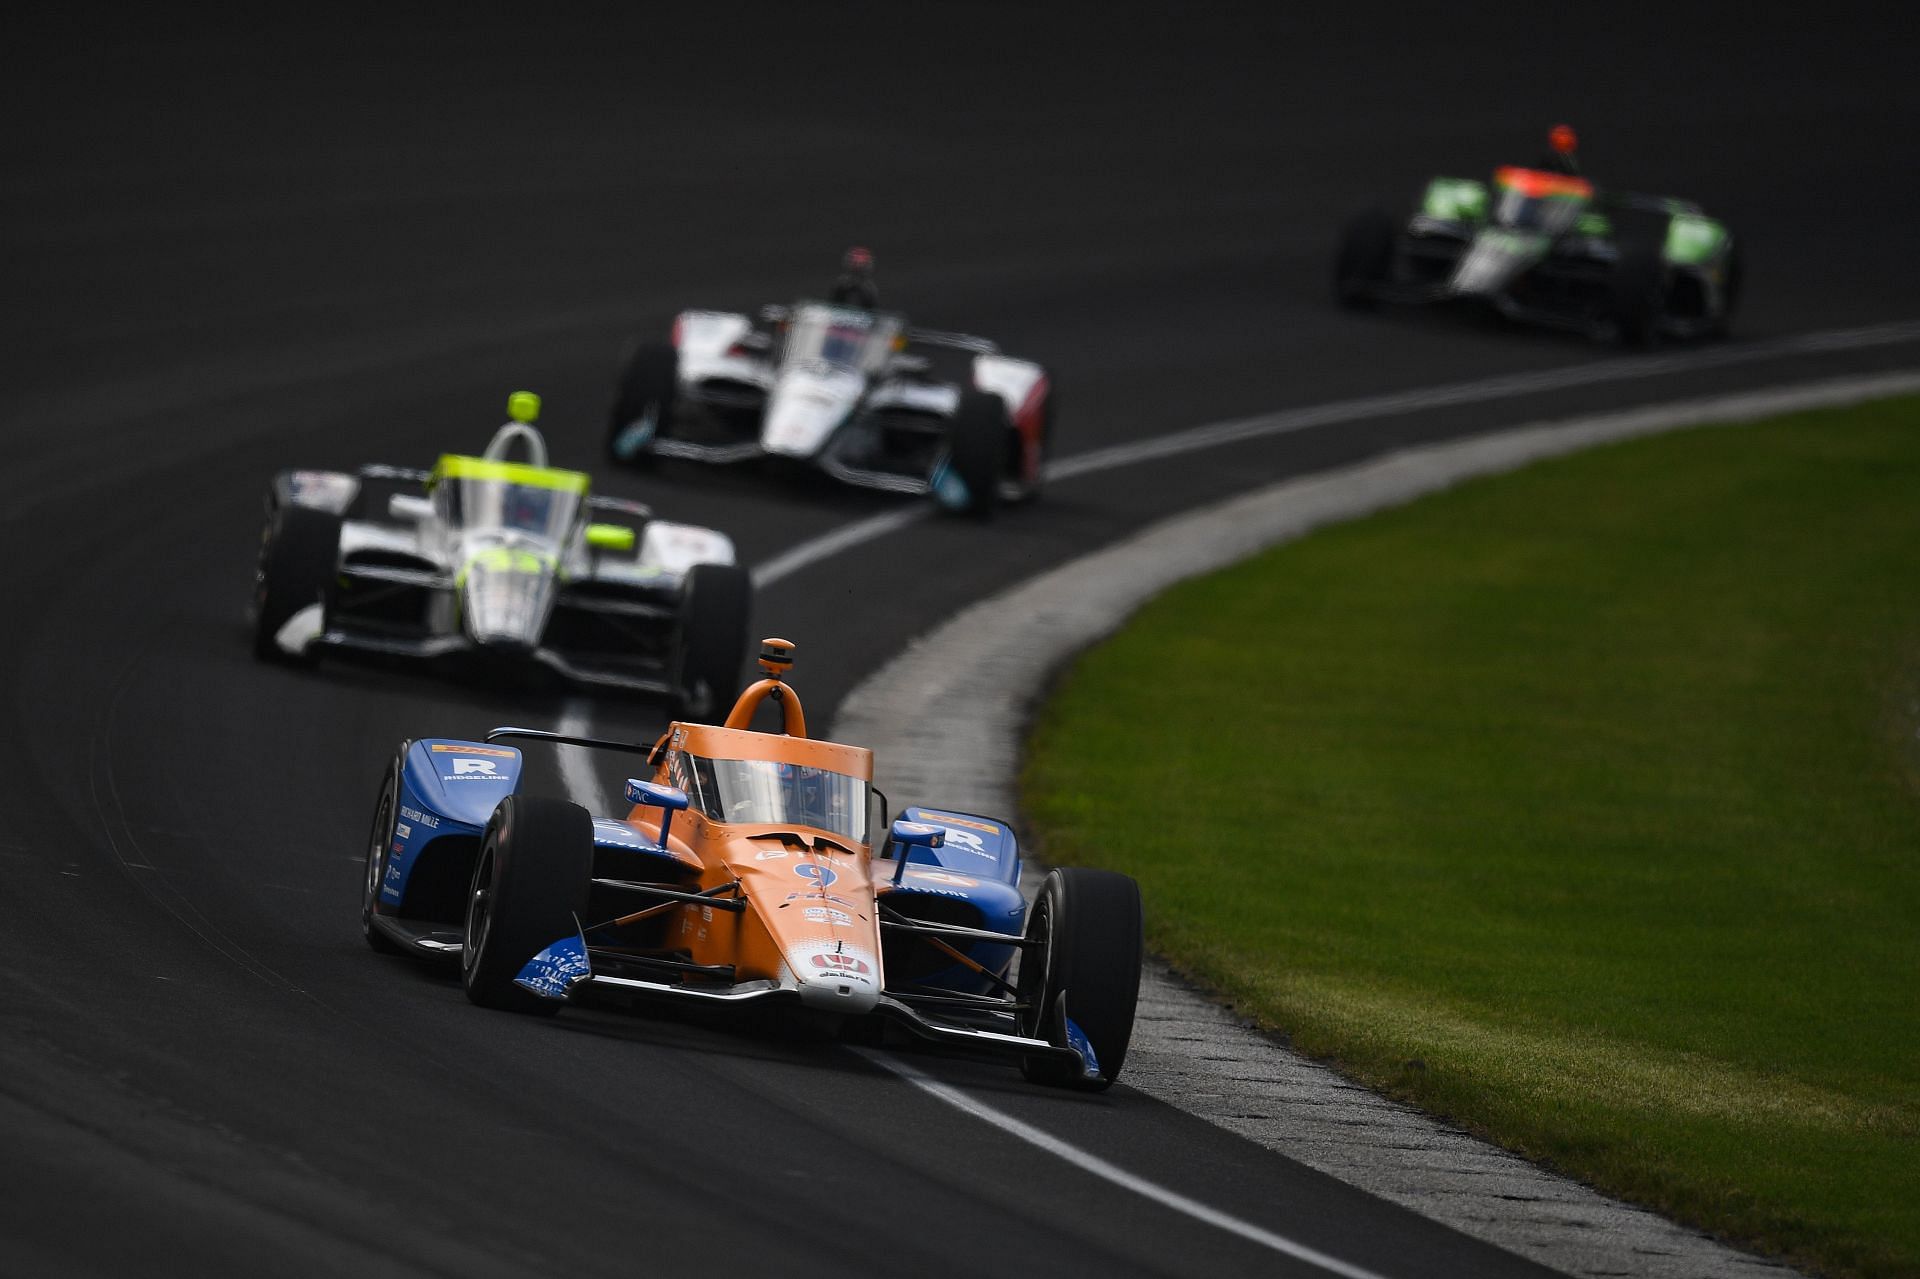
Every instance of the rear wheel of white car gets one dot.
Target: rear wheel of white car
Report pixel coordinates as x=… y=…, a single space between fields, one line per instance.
x=1366 y=259
x=379 y=845
x=977 y=450
x=1022 y=486
x=643 y=403
x=298 y=554
x=529 y=887
x=716 y=604
x=1086 y=970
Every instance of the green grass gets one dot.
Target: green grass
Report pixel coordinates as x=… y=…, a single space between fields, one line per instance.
x=1580 y=805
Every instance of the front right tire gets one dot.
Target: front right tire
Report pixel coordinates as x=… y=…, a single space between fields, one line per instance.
x=1087 y=969
x=1022 y=487
x=1638 y=296
x=716 y=604
x=1735 y=280
x=977 y=450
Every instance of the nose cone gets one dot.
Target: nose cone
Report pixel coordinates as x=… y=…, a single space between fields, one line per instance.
x=834 y=996
x=504 y=646
x=835 y=977
x=504 y=608
x=1485 y=269
x=804 y=409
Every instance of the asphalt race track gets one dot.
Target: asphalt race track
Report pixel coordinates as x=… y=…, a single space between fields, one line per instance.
x=344 y=237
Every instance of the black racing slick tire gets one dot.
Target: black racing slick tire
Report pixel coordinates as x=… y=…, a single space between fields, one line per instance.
x=1735 y=281
x=1637 y=291
x=1022 y=488
x=977 y=450
x=1365 y=262
x=1087 y=969
x=715 y=606
x=299 y=555
x=379 y=845
x=643 y=404
x=529 y=889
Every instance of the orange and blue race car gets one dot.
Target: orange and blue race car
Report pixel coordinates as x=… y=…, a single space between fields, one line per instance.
x=752 y=867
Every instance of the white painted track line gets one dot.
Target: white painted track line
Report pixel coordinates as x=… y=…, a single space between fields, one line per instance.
x=843 y=538
x=575 y=762
x=973 y=756
x=1286 y=421
x=977 y=678
x=1482 y=391
x=1094 y=1164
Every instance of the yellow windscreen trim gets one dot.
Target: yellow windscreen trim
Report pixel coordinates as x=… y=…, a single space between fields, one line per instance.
x=453 y=466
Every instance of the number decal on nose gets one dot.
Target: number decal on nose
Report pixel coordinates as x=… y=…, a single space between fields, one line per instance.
x=821 y=875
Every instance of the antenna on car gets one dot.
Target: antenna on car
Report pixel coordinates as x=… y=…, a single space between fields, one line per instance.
x=776 y=659
x=523 y=410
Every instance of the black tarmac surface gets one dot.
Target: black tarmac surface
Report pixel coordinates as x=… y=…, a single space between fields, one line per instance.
x=236 y=243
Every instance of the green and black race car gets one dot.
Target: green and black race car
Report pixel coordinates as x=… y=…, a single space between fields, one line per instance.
x=1546 y=247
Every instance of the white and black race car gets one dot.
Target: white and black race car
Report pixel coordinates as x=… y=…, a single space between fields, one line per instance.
x=854 y=393
x=502 y=567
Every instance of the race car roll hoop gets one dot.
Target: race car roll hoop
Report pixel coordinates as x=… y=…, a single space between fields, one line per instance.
x=776 y=659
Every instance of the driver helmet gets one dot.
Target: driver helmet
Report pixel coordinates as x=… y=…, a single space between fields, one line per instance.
x=1563 y=147
x=855 y=287
x=526 y=508
x=809 y=798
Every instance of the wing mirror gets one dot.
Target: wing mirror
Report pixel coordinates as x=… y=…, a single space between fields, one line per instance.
x=610 y=537
x=410 y=507
x=668 y=799
x=908 y=836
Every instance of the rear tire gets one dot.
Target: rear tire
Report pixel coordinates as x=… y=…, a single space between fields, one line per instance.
x=1089 y=970
x=1026 y=490
x=976 y=443
x=1735 y=281
x=529 y=888
x=647 y=392
x=299 y=555
x=1638 y=290
x=379 y=845
x=716 y=604
x=1365 y=262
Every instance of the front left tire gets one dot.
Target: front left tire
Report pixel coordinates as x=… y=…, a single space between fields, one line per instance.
x=1365 y=261
x=299 y=553
x=643 y=404
x=529 y=889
